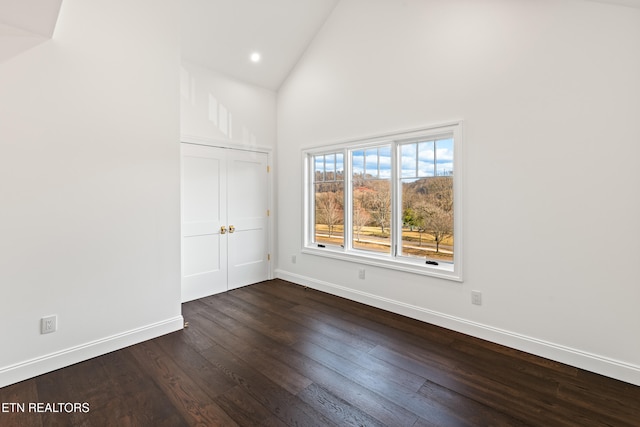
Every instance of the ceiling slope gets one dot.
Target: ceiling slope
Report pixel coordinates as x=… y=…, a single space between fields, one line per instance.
x=25 y=24
x=36 y=17
x=222 y=34
x=629 y=3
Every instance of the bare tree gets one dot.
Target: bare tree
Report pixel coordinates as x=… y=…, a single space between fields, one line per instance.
x=428 y=207
x=360 y=218
x=440 y=192
x=378 y=203
x=437 y=222
x=329 y=210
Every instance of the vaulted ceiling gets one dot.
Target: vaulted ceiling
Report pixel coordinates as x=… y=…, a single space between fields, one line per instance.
x=26 y=23
x=222 y=35
x=218 y=34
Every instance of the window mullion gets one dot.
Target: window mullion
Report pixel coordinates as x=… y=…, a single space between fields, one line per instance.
x=396 y=223
x=311 y=184
x=435 y=157
x=348 y=201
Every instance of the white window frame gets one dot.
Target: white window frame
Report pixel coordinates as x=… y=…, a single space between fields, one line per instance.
x=451 y=271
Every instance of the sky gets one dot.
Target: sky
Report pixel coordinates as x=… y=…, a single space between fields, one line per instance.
x=417 y=160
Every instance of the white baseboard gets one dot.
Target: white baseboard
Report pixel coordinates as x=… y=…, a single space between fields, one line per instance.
x=50 y=362
x=580 y=359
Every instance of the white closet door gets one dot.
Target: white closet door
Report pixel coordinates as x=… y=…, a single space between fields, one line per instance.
x=204 y=213
x=247 y=203
x=224 y=220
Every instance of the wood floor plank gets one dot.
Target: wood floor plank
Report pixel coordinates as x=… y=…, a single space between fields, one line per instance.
x=246 y=410
x=17 y=398
x=336 y=342
x=366 y=361
x=273 y=368
x=585 y=400
x=131 y=396
x=49 y=391
x=507 y=397
x=235 y=362
x=341 y=412
x=194 y=365
x=280 y=354
x=280 y=402
x=264 y=323
x=534 y=365
x=85 y=382
x=189 y=400
x=397 y=394
x=307 y=320
x=193 y=338
x=474 y=412
x=370 y=402
x=360 y=314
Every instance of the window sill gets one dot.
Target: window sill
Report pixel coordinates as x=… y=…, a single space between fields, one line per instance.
x=443 y=270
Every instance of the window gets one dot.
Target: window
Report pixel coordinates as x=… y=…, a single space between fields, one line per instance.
x=328 y=190
x=392 y=201
x=371 y=199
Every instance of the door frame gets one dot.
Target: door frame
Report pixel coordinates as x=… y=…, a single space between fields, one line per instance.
x=251 y=148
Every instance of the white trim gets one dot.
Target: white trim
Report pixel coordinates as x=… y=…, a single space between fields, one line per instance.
x=603 y=365
x=443 y=271
x=382 y=137
x=187 y=139
x=60 y=359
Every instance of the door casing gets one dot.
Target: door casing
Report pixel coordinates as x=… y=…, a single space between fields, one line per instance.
x=224 y=187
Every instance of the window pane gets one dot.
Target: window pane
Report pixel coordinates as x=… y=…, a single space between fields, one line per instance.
x=340 y=166
x=444 y=157
x=384 y=162
x=357 y=164
x=372 y=216
x=427 y=205
x=318 y=165
x=371 y=203
x=329 y=199
x=330 y=167
x=409 y=160
x=426 y=159
x=371 y=163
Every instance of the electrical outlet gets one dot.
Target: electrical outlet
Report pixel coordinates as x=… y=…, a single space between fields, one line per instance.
x=361 y=273
x=476 y=297
x=293 y=259
x=48 y=324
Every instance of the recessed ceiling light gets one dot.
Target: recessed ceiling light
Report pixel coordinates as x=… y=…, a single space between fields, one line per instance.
x=255 y=57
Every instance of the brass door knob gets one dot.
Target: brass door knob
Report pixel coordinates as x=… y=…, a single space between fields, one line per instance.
x=231 y=229
x=223 y=230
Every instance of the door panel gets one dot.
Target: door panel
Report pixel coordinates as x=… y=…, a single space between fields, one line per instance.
x=203 y=270
x=246 y=252
x=204 y=251
x=247 y=207
x=201 y=186
x=205 y=257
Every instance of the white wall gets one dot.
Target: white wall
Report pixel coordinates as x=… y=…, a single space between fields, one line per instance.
x=89 y=186
x=550 y=97
x=219 y=109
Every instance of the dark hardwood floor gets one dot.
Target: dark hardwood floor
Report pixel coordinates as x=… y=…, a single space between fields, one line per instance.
x=279 y=355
